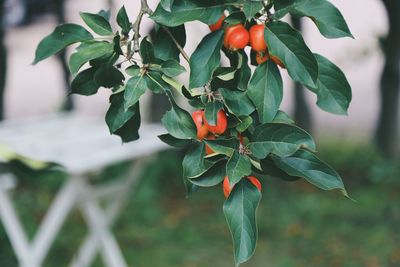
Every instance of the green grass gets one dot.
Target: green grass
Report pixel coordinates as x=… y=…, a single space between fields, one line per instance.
x=298 y=225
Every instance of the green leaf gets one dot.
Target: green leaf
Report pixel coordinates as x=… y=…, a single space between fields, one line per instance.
x=63 y=36
x=283 y=117
x=250 y=8
x=280 y=139
x=117 y=116
x=245 y=123
x=175 y=142
x=167 y=4
x=225 y=73
x=243 y=74
x=238 y=166
x=172 y=68
x=324 y=14
x=194 y=163
x=240 y=212
x=108 y=76
x=105 y=14
x=211 y=112
x=333 y=89
x=97 y=23
x=84 y=84
x=179 y=122
x=237 y=102
x=183 y=11
x=174 y=84
x=130 y=130
x=123 y=20
x=146 y=51
x=306 y=165
x=288 y=45
x=164 y=46
x=155 y=82
x=135 y=88
x=223 y=146
x=212 y=176
x=269 y=168
x=86 y=52
x=266 y=90
x=133 y=70
x=117 y=45
x=205 y=59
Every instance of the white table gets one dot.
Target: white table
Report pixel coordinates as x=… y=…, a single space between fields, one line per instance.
x=83 y=146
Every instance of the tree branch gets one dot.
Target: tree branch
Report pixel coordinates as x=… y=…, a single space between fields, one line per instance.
x=144 y=9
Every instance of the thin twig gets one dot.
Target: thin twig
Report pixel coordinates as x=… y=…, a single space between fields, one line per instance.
x=144 y=9
x=180 y=48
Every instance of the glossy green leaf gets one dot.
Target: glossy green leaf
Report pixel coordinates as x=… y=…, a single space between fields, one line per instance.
x=237 y=102
x=123 y=20
x=240 y=212
x=179 y=122
x=172 y=68
x=155 y=82
x=306 y=165
x=146 y=51
x=86 y=52
x=333 y=89
x=269 y=168
x=225 y=73
x=288 y=45
x=324 y=14
x=164 y=46
x=106 y=14
x=243 y=74
x=223 y=146
x=205 y=59
x=183 y=11
x=130 y=130
x=280 y=139
x=194 y=163
x=167 y=4
x=174 y=142
x=108 y=76
x=84 y=84
x=117 y=45
x=238 y=166
x=97 y=23
x=250 y=8
x=283 y=117
x=117 y=116
x=266 y=91
x=135 y=88
x=212 y=176
x=244 y=124
x=211 y=112
x=63 y=36
x=133 y=70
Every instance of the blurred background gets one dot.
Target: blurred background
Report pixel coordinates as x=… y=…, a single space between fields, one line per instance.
x=298 y=225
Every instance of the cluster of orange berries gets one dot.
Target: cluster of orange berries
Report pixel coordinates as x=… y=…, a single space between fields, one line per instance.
x=210 y=132
x=238 y=37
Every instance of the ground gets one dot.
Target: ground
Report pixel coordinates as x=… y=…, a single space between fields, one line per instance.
x=298 y=225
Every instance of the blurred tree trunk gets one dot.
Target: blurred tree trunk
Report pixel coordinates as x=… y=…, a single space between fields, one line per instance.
x=3 y=61
x=386 y=136
x=60 y=14
x=302 y=114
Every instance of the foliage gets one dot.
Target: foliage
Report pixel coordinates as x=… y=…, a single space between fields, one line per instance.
x=260 y=139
